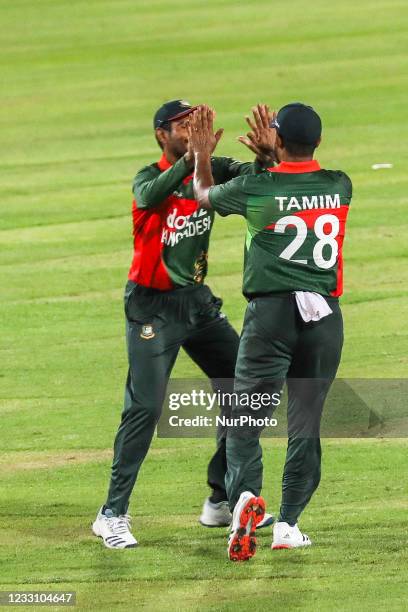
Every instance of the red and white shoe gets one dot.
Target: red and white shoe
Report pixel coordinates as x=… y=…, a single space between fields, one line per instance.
x=219 y=515
x=248 y=513
x=285 y=536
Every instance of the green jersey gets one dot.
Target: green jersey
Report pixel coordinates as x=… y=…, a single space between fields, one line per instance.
x=296 y=218
x=171 y=233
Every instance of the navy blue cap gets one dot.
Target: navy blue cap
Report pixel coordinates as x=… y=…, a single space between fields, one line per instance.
x=298 y=123
x=171 y=111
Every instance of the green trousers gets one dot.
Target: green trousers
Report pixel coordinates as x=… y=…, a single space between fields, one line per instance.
x=158 y=324
x=277 y=346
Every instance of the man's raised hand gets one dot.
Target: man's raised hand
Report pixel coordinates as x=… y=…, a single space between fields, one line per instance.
x=202 y=138
x=261 y=139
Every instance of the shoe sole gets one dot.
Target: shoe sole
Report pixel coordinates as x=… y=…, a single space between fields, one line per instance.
x=243 y=543
x=96 y=532
x=289 y=546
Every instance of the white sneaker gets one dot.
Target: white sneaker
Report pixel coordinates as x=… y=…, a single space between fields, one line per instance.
x=285 y=536
x=267 y=520
x=114 y=530
x=248 y=513
x=215 y=515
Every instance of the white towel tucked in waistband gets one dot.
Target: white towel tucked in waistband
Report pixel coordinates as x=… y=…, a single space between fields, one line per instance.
x=312 y=306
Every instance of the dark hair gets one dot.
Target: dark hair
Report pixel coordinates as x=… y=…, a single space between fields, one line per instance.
x=297 y=149
x=166 y=126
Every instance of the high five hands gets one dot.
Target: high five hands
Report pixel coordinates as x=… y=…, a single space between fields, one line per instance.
x=260 y=140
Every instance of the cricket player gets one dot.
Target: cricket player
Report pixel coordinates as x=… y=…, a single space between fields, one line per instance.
x=296 y=218
x=168 y=306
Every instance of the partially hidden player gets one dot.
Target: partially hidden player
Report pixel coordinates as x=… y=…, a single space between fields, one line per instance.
x=296 y=216
x=168 y=306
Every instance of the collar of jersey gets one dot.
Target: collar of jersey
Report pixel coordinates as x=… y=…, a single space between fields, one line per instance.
x=296 y=167
x=164 y=163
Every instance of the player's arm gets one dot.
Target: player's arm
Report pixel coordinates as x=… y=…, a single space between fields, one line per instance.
x=151 y=187
x=227 y=168
x=203 y=179
x=226 y=198
x=201 y=142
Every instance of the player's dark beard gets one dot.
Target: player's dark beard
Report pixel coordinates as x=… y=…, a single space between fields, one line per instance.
x=178 y=148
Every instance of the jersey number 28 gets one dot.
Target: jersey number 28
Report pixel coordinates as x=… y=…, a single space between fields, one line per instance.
x=323 y=239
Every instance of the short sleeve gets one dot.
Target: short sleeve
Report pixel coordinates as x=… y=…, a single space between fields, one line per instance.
x=229 y=198
x=349 y=185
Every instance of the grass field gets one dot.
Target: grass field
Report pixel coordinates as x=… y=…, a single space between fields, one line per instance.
x=81 y=80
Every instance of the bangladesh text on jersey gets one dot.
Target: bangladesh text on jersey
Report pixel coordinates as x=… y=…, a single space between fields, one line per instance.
x=171 y=233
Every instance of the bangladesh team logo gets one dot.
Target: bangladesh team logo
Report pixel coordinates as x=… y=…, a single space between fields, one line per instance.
x=147 y=332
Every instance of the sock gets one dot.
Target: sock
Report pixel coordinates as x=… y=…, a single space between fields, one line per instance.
x=107 y=512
